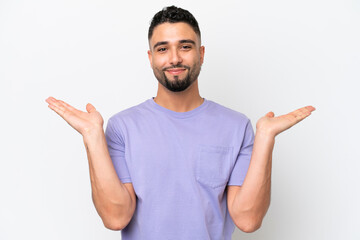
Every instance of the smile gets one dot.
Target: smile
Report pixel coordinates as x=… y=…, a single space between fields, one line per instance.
x=175 y=71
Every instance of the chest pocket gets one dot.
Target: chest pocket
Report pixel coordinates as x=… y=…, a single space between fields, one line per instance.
x=213 y=165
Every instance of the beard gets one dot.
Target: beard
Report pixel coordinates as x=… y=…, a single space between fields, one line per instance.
x=178 y=85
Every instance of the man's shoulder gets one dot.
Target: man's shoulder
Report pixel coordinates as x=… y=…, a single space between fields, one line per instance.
x=226 y=112
x=130 y=112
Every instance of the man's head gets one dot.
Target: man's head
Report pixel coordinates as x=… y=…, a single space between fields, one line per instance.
x=173 y=15
x=175 y=54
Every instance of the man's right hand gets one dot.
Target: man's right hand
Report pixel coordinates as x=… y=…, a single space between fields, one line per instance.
x=83 y=122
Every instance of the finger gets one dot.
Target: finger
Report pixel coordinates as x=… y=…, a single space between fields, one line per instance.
x=50 y=99
x=270 y=114
x=301 y=113
x=310 y=108
x=70 y=108
x=305 y=110
x=60 y=107
x=62 y=104
x=56 y=109
x=90 y=108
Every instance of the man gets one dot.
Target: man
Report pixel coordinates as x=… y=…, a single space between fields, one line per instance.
x=174 y=166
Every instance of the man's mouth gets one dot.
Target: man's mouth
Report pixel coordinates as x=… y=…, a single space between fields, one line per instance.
x=175 y=71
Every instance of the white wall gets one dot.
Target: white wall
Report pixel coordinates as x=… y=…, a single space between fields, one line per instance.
x=260 y=56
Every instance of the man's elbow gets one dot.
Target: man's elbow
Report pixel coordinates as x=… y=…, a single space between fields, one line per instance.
x=114 y=217
x=248 y=226
x=116 y=222
x=115 y=225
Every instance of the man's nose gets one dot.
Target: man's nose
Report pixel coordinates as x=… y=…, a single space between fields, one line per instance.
x=175 y=57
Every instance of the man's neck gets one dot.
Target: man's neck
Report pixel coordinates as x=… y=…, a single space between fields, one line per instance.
x=183 y=101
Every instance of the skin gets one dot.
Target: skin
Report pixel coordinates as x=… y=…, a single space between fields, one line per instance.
x=173 y=53
x=115 y=201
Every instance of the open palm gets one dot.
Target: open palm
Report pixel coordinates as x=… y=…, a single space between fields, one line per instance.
x=83 y=122
x=275 y=125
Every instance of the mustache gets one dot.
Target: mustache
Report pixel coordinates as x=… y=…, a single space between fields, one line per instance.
x=176 y=66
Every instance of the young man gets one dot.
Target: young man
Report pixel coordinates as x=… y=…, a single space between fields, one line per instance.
x=174 y=166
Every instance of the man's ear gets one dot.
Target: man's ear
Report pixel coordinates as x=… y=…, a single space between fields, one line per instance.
x=202 y=53
x=150 y=57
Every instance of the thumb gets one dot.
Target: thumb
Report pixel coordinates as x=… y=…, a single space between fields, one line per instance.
x=270 y=114
x=90 y=108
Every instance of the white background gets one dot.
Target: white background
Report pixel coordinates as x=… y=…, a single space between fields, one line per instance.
x=260 y=56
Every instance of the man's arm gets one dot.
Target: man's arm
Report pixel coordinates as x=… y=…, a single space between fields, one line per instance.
x=249 y=203
x=114 y=201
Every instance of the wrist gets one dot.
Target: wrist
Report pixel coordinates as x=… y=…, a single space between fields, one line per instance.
x=264 y=139
x=92 y=134
x=265 y=133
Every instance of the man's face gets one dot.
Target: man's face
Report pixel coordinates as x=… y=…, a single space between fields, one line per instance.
x=175 y=55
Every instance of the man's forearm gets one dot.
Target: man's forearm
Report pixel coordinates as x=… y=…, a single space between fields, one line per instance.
x=252 y=199
x=249 y=203
x=111 y=198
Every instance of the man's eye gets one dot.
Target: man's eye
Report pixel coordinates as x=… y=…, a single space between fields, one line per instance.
x=186 y=47
x=161 y=49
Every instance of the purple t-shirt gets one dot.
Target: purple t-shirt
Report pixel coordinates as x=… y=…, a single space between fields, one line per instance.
x=180 y=164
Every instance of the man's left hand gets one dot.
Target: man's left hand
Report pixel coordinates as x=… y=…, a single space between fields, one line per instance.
x=271 y=125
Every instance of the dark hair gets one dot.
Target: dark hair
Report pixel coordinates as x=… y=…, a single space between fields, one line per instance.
x=173 y=14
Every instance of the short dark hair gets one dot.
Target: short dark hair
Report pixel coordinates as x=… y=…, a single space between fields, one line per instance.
x=173 y=14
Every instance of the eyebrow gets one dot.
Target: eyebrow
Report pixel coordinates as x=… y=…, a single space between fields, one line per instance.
x=187 y=41
x=181 y=41
x=160 y=43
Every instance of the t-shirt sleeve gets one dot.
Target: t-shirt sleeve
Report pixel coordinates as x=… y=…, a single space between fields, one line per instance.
x=115 y=141
x=242 y=163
